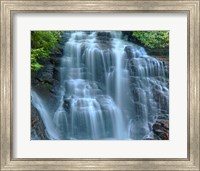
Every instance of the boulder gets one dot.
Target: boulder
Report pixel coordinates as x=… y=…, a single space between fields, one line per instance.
x=128 y=50
x=161 y=129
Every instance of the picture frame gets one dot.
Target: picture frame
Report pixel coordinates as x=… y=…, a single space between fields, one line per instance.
x=10 y=8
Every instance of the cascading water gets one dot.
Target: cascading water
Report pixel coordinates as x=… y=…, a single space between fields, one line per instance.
x=47 y=119
x=109 y=89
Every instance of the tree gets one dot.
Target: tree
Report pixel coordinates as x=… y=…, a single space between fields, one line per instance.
x=42 y=42
x=152 y=39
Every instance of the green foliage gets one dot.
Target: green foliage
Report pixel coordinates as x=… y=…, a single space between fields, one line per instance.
x=42 y=43
x=152 y=39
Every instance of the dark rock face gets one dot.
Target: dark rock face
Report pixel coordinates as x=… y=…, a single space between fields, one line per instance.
x=133 y=51
x=56 y=74
x=104 y=39
x=38 y=130
x=58 y=51
x=159 y=52
x=127 y=35
x=161 y=129
x=55 y=61
x=44 y=75
x=103 y=35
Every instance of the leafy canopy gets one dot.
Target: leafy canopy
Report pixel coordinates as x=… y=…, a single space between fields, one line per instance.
x=42 y=43
x=152 y=39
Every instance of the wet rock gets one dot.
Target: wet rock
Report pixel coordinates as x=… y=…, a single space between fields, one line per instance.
x=164 y=52
x=161 y=99
x=140 y=111
x=67 y=104
x=44 y=75
x=38 y=129
x=166 y=67
x=104 y=40
x=53 y=91
x=65 y=37
x=55 y=61
x=128 y=50
x=161 y=129
x=57 y=51
x=56 y=74
x=163 y=117
x=103 y=35
x=128 y=36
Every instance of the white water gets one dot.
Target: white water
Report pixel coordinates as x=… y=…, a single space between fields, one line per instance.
x=49 y=124
x=96 y=84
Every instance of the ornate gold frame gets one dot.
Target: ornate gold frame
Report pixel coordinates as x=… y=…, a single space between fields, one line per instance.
x=9 y=8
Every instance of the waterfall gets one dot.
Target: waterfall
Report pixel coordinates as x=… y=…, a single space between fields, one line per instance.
x=109 y=88
x=43 y=110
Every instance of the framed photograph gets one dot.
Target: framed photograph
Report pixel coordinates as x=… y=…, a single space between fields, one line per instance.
x=100 y=85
